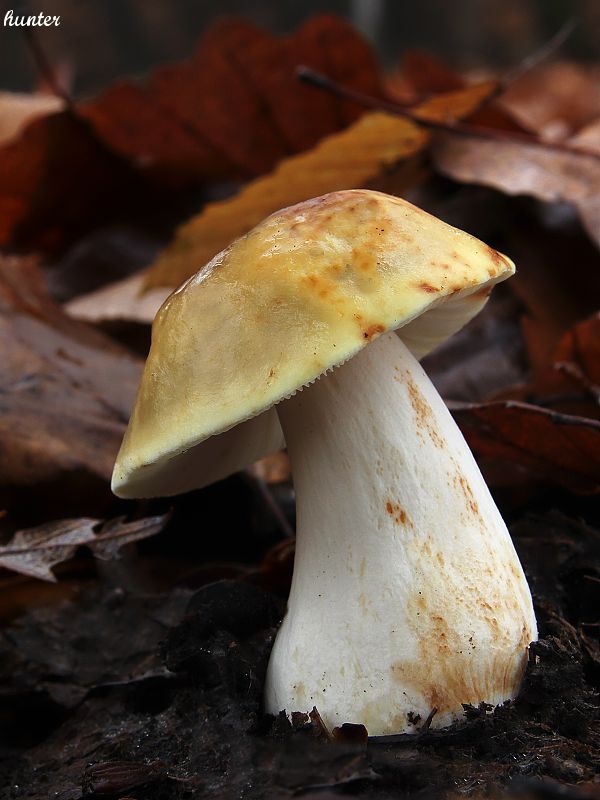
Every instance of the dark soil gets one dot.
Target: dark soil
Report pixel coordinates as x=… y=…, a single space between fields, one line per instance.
x=122 y=694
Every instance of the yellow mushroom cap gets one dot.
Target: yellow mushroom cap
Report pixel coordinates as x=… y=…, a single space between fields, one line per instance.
x=301 y=293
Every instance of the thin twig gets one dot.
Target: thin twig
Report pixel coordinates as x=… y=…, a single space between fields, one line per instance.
x=44 y=66
x=321 y=81
x=573 y=371
x=427 y=724
x=542 y=54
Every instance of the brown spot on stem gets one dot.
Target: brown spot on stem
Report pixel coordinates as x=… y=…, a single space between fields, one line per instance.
x=397 y=513
x=468 y=493
x=423 y=413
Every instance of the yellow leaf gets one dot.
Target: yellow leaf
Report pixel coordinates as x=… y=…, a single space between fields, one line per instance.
x=345 y=160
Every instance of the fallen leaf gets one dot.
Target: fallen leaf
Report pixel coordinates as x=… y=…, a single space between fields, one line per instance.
x=423 y=75
x=555 y=99
x=570 y=383
x=428 y=75
x=375 y=143
x=524 y=443
x=274 y=468
x=16 y=110
x=581 y=348
x=121 y=300
x=236 y=107
x=517 y=168
x=65 y=395
x=233 y=110
x=57 y=179
x=344 y=160
x=35 y=551
x=588 y=137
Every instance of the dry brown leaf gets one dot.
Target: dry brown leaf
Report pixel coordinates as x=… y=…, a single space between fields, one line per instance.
x=16 y=110
x=521 y=168
x=65 y=394
x=274 y=468
x=35 y=551
x=588 y=137
x=57 y=179
x=522 y=443
x=341 y=161
x=570 y=383
x=555 y=99
x=428 y=75
x=377 y=142
x=121 y=300
x=233 y=110
x=236 y=107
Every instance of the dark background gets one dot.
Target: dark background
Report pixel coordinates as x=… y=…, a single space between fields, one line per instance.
x=100 y=40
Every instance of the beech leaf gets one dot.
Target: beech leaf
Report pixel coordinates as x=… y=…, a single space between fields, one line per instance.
x=230 y=112
x=520 y=168
x=377 y=142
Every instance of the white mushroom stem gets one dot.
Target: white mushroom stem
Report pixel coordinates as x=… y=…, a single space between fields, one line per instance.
x=407 y=593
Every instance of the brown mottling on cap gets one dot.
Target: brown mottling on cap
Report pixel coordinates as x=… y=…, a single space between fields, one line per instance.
x=372 y=331
x=427 y=287
x=498 y=260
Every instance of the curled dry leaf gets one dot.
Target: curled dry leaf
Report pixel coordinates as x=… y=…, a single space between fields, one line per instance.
x=375 y=143
x=65 y=391
x=121 y=300
x=35 y=551
x=524 y=443
x=517 y=167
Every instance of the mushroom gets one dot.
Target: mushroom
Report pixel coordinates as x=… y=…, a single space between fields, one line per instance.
x=407 y=595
